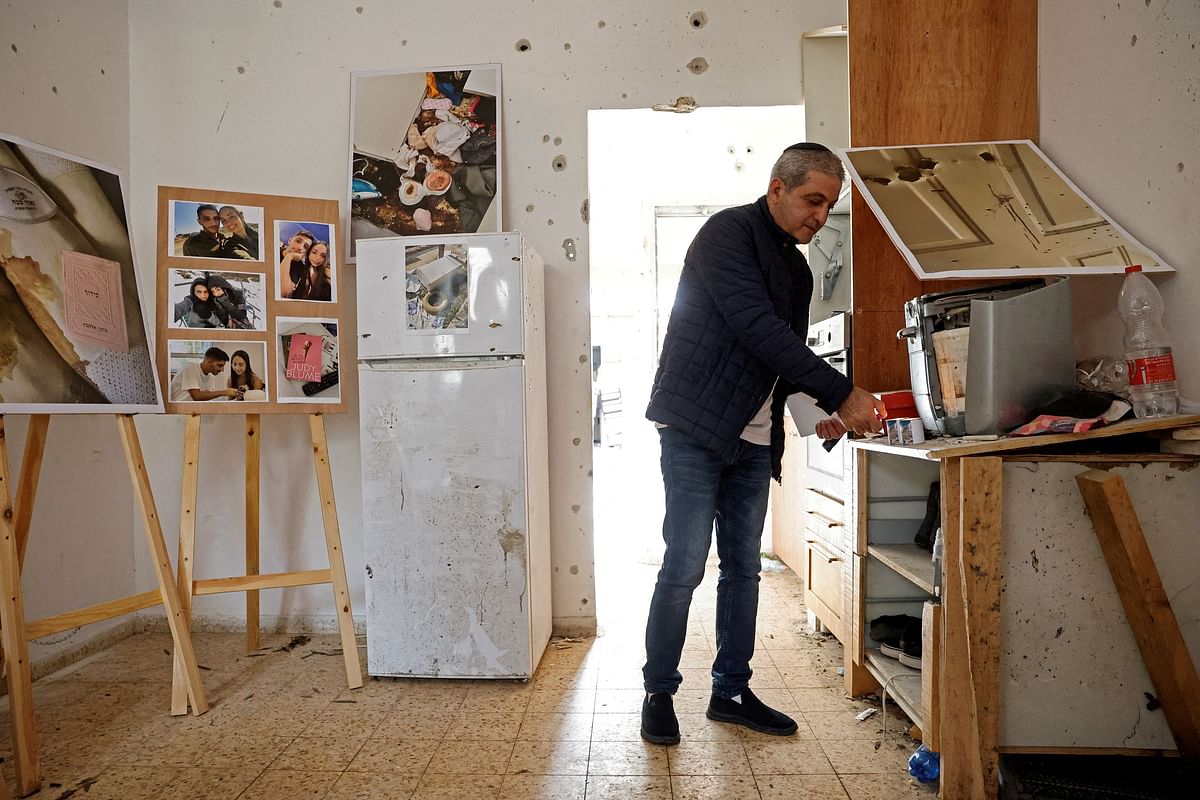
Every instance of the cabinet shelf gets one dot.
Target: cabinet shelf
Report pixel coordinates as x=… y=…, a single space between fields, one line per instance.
x=903 y=684
x=911 y=561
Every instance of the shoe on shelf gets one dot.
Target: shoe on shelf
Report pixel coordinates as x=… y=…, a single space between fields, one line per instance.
x=751 y=713
x=659 y=724
x=910 y=653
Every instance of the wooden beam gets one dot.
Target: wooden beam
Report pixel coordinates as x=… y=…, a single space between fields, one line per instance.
x=1147 y=607
x=253 y=517
x=931 y=646
x=252 y=583
x=333 y=545
x=982 y=558
x=960 y=774
x=48 y=626
x=162 y=561
x=12 y=636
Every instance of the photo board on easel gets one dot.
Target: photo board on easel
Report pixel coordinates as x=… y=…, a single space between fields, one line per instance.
x=249 y=303
x=74 y=338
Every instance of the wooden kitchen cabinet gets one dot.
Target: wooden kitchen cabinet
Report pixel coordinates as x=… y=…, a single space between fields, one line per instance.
x=1027 y=647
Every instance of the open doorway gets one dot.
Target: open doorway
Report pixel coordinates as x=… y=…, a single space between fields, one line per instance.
x=653 y=179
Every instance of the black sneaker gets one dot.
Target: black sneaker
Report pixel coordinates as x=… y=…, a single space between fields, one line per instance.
x=752 y=713
x=659 y=725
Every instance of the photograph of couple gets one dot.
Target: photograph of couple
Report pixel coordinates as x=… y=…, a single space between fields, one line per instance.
x=211 y=230
x=201 y=371
x=209 y=299
x=306 y=269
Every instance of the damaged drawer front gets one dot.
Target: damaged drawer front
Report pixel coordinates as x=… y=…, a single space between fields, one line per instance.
x=825 y=519
x=823 y=584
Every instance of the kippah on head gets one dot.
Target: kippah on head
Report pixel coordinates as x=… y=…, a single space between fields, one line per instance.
x=795 y=161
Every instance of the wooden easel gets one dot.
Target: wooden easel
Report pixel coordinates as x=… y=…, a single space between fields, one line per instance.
x=15 y=631
x=252 y=581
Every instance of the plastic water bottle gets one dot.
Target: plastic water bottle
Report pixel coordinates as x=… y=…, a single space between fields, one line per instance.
x=1148 y=357
x=924 y=764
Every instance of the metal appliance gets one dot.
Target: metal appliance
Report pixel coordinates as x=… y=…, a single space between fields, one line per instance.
x=830 y=339
x=1021 y=352
x=455 y=479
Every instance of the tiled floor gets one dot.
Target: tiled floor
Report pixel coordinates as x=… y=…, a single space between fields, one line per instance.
x=283 y=726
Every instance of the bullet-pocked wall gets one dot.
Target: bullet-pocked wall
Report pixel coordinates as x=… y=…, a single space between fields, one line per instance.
x=1120 y=114
x=254 y=97
x=64 y=82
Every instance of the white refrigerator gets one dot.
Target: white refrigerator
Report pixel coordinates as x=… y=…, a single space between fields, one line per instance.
x=452 y=397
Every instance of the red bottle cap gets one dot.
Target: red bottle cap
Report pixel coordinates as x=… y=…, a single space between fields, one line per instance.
x=1133 y=268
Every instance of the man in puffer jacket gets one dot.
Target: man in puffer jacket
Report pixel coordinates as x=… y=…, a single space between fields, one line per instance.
x=734 y=350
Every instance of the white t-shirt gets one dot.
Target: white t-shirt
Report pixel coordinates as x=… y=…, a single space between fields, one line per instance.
x=192 y=377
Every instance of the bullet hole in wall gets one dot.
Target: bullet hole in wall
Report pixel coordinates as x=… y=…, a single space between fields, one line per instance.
x=545 y=138
x=566 y=46
x=585 y=212
x=279 y=3
x=358 y=10
x=14 y=48
x=1179 y=167
x=523 y=46
x=601 y=24
x=54 y=89
x=698 y=19
x=529 y=208
x=1133 y=40
x=568 y=246
x=241 y=70
x=576 y=440
x=558 y=140
x=550 y=221
x=559 y=163
x=697 y=65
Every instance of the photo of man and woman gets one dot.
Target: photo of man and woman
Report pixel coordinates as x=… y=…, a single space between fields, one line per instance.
x=215 y=230
x=306 y=270
x=211 y=299
x=307 y=356
x=203 y=371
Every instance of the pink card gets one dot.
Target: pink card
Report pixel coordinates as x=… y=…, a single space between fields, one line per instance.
x=94 y=305
x=304 y=358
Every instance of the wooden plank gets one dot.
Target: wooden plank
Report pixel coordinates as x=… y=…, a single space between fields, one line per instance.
x=982 y=556
x=47 y=626
x=960 y=774
x=13 y=639
x=333 y=544
x=931 y=654
x=162 y=561
x=1187 y=434
x=247 y=583
x=1146 y=604
x=914 y=563
x=253 y=517
x=31 y=471
x=188 y=498
x=957 y=447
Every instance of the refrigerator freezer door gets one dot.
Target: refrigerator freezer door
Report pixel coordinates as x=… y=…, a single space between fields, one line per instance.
x=422 y=296
x=445 y=520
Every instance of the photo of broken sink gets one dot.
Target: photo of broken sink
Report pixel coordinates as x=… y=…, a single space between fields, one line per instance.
x=436 y=288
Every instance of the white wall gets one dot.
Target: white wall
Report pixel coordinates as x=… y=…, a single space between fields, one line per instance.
x=65 y=84
x=1120 y=114
x=254 y=97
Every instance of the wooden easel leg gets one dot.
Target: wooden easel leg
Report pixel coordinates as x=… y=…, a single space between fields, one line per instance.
x=26 y=488
x=1146 y=604
x=253 y=459
x=12 y=635
x=187 y=550
x=333 y=543
x=162 y=561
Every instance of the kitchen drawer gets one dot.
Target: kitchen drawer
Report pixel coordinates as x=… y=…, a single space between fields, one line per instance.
x=825 y=519
x=823 y=584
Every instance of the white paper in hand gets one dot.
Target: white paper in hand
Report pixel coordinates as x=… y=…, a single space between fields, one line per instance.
x=805 y=414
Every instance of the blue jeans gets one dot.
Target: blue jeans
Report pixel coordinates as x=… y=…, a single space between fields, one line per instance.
x=702 y=489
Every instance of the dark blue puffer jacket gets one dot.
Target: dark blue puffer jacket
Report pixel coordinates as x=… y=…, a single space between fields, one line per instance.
x=738 y=324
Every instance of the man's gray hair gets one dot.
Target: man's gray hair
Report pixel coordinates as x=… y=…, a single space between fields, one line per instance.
x=793 y=165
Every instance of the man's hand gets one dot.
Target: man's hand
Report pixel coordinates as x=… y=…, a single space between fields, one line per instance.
x=862 y=412
x=831 y=428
